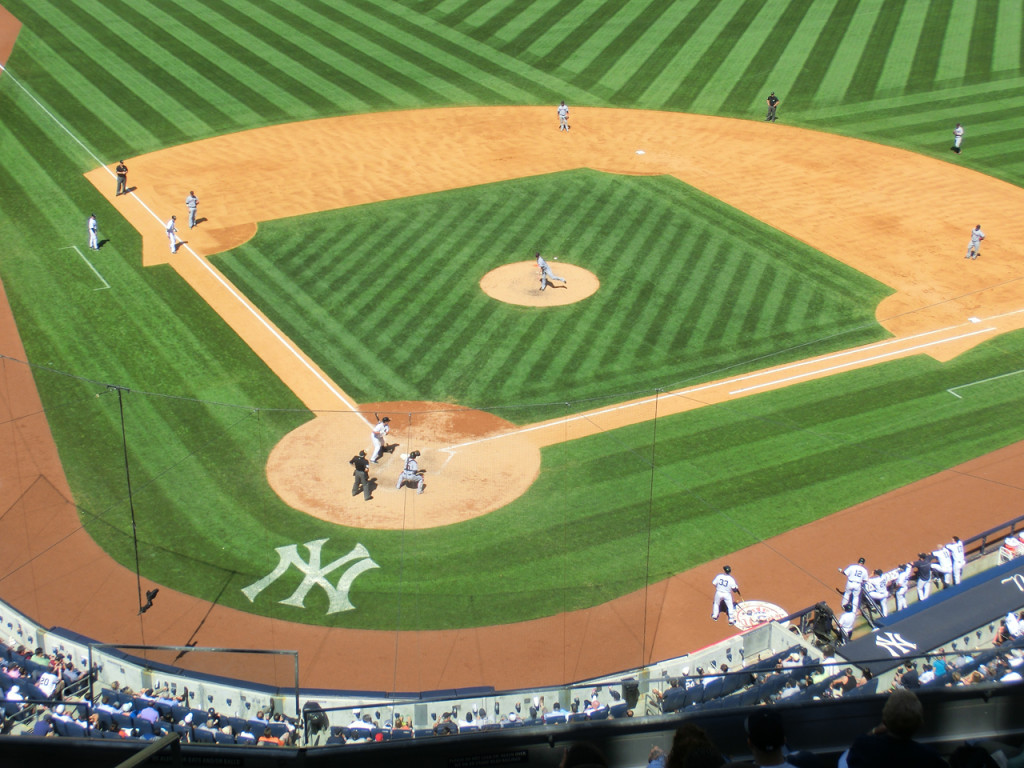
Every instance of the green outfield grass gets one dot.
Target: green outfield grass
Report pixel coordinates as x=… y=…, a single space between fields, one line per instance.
x=202 y=414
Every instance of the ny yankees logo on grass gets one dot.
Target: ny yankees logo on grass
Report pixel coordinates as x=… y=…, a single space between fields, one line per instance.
x=316 y=575
x=894 y=643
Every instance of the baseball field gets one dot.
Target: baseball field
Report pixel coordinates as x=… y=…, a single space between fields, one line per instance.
x=762 y=327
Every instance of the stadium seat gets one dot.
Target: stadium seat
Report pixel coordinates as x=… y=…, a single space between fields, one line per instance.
x=713 y=690
x=598 y=714
x=694 y=695
x=122 y=720
x=203 y=736
x=401 y=733
x=619 y=710
x=244 y=739
x=184 y=731
x=75 y=731
x=223 y=738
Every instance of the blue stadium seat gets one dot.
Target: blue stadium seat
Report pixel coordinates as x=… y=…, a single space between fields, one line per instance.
x=75 y=731
x=599 y=714
x=243 y=739
x=422 y=733
x=694 y=695
x=401 y=733
x=223 y=738
x=619 y=710
x=204 y=737
x=713 y=690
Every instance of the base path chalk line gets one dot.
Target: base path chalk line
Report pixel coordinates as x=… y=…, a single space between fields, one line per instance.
x=90 y=264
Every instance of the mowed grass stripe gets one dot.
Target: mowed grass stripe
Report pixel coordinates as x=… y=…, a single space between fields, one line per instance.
x=804 y=92
x=983 y=41
x=836 y=85
x=488 y=75
x=955 y=43
x=495 y=22
x=718 y=47
x=792 y=59
x=537 y=20
x=572 y=46
x=864 y=82
x=651 y=51
x=767 y=67
x=698 y=32
x=899 y=57
x=737 y=65
x=51 y=86
x=168 y=64
x=606 y=54
x=1006 y=50
x=347 y=44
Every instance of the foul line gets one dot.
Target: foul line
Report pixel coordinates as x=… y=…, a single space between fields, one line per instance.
x=726 y=382
x=874 y=358
x=94 y=271
x=952 y=390
x=287 y=343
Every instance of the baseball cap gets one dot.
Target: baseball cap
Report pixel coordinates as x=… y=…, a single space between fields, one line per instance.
x=765 y=730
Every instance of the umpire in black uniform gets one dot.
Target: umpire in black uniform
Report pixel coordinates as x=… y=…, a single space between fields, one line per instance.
x=361 y=473
x=773 y=103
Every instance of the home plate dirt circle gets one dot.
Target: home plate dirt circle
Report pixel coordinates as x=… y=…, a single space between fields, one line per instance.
x=475 y=463
x=519 y=283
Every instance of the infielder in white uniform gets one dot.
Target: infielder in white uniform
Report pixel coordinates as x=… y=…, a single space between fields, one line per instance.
x=94 y=242
x=903 y=585
x=412 y=473
x=172 y=233
x=855 y=575
x=378 y=436
x=974 y=247
x=958 y=137
x=878 y=590
x=546 y=273
x=956 y=549
x=725 y=585
x=563 y=117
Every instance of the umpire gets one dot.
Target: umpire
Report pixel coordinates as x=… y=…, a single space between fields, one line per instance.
x=773 y=104
x=361 y=473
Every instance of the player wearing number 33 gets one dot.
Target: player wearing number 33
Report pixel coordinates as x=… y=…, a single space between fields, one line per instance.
x=725 y=585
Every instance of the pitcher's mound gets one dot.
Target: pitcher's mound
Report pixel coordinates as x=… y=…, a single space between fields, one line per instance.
x=519 y=283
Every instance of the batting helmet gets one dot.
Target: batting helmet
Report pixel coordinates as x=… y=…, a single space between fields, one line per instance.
x=861 y=561
x=727 y=569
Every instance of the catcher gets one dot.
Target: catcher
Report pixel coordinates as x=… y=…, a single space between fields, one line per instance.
x=412 y=472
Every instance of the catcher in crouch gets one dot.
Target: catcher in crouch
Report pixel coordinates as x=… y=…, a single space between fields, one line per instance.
x=412 y=472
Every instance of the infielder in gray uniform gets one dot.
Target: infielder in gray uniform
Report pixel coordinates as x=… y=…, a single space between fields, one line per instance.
x=412 y=473
x=192 y=203
x=974 y=247
x=546 y=273
x=563 y=117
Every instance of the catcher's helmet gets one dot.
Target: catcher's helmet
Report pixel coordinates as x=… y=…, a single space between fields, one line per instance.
x=414 y=454
x=727 y=569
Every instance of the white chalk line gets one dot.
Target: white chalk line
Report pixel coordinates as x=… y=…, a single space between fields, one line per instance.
x=94 y=270
x=952 y=390
x=727 y=382
x=867 y=360
x=281 y=338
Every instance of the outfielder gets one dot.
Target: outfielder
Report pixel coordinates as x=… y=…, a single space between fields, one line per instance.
x=563 y=117
x=974 y=247
x=412 y=473
x=958 y=137
x=855 y=576
x=956 y=549
x=378 y=436
x=878 y=590
x=546 y=273
x=94 y=242
x=725 y=585
x=172 y=233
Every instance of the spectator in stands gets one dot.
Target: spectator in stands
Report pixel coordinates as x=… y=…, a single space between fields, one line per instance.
x=927 y=674
x=14 y=697
x=401 y=724
x=939 y=662
x=556 y=714
x=891 y=744
x=268 y=737
x=446 y=726
x=843 y=684
x=972 y=756
x=467 y=721
x=829 y=663
x=656 y=758
x=766 y=738
x=337 y=735
x=44 y=726
x=359 y=722
x=279 y=718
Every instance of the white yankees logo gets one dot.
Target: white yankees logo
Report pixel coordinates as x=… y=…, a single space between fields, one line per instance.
x=894 y=643
x=316 y=575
